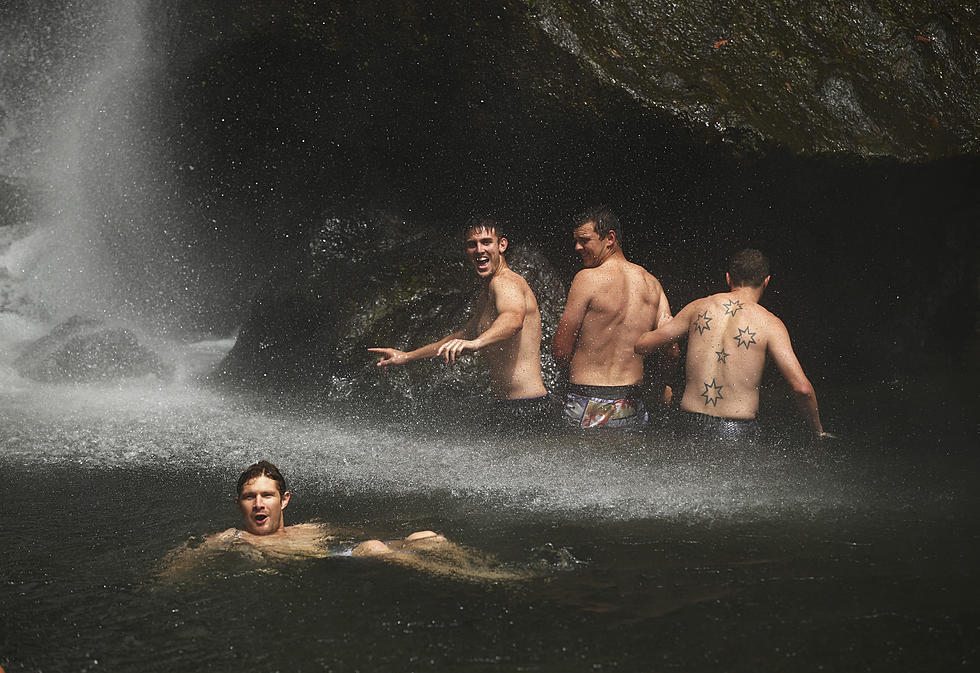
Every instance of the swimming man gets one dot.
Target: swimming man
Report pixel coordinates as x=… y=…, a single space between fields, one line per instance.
x=729 y=337
x=262 y=497
x=610 y=304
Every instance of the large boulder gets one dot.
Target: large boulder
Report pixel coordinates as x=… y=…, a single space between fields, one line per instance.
x=85 y=349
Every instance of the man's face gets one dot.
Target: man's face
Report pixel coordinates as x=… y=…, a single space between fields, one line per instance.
x=485 y=251
x=592 y=249
x=261 y=506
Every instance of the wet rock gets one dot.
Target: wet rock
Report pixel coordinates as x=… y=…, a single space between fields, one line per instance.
x=85 y=349
x=876 y=78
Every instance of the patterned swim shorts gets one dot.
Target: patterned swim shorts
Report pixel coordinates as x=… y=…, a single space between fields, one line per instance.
x=604 y=407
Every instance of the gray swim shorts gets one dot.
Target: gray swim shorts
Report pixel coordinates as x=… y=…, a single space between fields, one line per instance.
x=718 y=429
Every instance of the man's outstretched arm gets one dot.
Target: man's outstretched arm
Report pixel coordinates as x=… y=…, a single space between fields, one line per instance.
x=667 y=332
x=393 y=356
x=508 y=299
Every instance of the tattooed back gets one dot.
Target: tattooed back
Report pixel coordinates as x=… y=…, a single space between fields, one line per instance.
x=728 y=338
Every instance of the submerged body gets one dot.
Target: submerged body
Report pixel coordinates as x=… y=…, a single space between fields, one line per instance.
x=262 y=497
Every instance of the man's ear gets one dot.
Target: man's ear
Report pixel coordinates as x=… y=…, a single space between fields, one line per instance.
x=611 y=237
x=502 y=242
x=765 y=283
x=285 y=499
x=728 y=279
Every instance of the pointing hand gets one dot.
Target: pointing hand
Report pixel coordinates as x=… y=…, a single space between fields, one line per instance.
x=389 y=356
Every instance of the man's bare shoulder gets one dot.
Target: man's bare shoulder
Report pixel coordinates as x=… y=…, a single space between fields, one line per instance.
x=591 y=277
x=648 y=277
x=633 y=267
x=690 y=311
x=222 y=539
x=508 y=278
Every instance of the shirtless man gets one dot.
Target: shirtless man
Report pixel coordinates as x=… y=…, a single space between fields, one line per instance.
x=610 y=304
x=729 y=336
x=506 y=325
x=262 y=497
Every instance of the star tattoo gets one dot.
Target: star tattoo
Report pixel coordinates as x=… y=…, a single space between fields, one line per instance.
x=712 y=393
x=701 y=324
x=732 y=307
x=744 y=338
x=722 y=355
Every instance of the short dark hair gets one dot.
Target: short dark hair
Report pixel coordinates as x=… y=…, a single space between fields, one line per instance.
x=603 y=219
x=263 y=468
x=748 y=267
x=483 y=222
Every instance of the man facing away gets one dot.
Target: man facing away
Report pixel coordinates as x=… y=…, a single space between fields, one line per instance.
x=729 y=337
x=506 y=326
x=610 y=304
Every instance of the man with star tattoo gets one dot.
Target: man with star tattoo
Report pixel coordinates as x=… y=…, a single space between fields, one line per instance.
x=729 y=338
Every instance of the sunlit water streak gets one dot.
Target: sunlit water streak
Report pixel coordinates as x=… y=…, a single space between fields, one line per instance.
x=618 y=476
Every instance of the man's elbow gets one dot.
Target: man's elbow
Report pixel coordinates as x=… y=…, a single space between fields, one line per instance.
x=804 y=389
x=645 y=345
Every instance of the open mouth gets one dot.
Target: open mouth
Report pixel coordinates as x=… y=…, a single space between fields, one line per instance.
x=261 y=518
x=482 y=262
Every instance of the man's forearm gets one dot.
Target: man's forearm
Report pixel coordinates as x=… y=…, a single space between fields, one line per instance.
x=807 y=402
x=430 y=351
x=649 y=342
x=563 y=344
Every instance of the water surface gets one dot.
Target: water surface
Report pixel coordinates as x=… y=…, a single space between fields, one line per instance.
x=646 y=553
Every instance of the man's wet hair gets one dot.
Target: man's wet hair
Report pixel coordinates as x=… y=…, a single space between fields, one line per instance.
x=748 y=267
x=604 y=220
x=263 y=468
x=481 y=223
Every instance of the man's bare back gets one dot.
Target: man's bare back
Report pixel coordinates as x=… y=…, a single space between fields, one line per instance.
x=727 y=343
x=621 y=301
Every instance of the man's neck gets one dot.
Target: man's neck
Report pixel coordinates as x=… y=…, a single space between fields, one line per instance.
x=499 y=270
x=747 y=293
x=615 y=255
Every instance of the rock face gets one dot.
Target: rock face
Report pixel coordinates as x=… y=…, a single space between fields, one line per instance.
x=84 y=349
x=873 y=77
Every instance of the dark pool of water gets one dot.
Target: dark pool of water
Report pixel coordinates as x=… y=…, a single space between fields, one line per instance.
x=647 y=554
